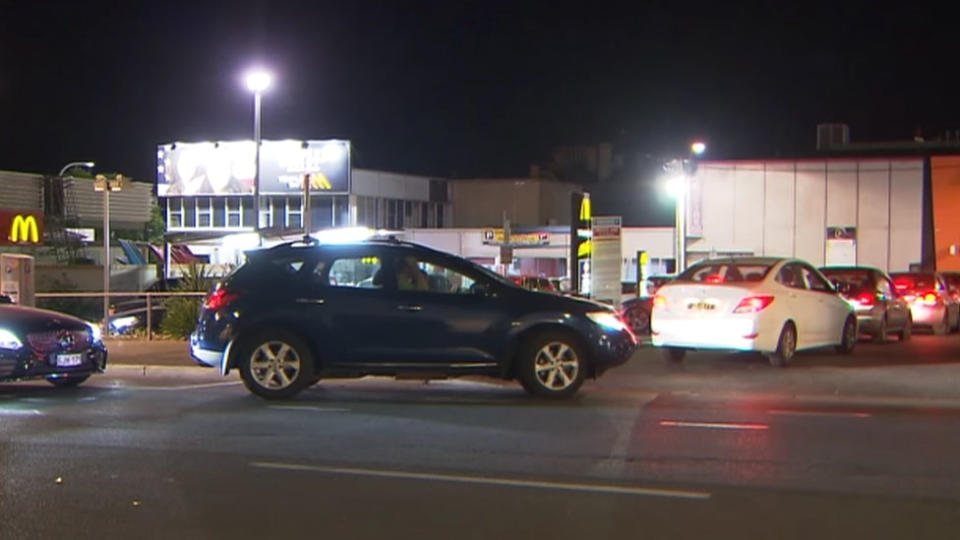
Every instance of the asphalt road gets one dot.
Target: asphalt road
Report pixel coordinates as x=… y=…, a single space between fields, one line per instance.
x=721 y=446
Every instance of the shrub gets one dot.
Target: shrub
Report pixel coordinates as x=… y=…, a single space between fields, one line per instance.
x=183 y=311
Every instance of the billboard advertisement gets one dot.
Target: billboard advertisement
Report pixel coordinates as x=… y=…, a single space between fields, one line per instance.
x=227 y=167
x=23 y=227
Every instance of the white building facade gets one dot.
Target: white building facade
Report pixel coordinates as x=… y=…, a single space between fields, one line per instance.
x=835 y=211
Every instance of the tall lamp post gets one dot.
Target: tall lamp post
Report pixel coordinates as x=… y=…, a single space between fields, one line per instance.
x=678 y=186
x=102 y=183
x=258 y=81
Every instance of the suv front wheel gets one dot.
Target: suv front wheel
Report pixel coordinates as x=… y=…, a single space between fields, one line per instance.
x=552 y=365
x=276 y=365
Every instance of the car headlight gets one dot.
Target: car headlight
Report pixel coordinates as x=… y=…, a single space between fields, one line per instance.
x=8 y=340
x=607 y=319
x=95 y=333
x=122 y=323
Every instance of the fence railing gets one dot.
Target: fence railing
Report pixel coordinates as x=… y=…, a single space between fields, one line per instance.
x=81 y=310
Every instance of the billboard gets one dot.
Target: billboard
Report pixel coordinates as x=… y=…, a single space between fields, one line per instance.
x=23 y=227
x=227 y=167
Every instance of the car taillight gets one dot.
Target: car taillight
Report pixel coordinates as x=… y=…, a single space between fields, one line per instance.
x=659 y=301
x=866 y=299
x=219 y=298
x=753 y=304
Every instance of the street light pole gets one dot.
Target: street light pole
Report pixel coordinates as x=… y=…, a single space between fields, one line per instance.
x=680 y=213
x=106 y=186
x=257 y=82
x=256 y=165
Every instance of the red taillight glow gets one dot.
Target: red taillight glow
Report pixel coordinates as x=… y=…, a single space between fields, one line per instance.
x=753 y=304
x=929 y=299
x=715 y=278
x=659 y=301
x=866 y=299
x=220 y=298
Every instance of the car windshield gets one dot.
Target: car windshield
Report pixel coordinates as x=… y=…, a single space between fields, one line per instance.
x=726 y=272
x=856 y=278
x=914 y=282
x=490 y=273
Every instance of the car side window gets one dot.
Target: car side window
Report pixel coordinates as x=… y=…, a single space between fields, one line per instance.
x=790 y=276
x=814 y=281
x=885 y=287
x=362 y=272
x=434 y=277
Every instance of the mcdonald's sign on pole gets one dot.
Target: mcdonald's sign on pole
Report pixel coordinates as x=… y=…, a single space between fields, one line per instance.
x=21 y=227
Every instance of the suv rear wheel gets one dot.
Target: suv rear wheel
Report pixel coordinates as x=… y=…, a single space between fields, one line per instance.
x=551 y=365
x=276 y=365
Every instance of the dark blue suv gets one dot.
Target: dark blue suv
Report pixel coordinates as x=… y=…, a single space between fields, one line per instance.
x=300 y=312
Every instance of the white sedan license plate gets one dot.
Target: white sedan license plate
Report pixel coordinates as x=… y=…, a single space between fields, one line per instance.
x=68 y=360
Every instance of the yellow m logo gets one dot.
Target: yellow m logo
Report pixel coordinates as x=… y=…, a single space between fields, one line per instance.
x=24 y=229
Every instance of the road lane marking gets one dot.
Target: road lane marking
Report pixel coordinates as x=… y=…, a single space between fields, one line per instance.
x=488 y=480
x=785 y=412
x=180 y=387
x=306 y=408
x=19 y=412
x=713 y=425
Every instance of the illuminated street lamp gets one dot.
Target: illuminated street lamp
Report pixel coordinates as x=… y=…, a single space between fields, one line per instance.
x=698 y=148
x=72 y=164
x=258 y=81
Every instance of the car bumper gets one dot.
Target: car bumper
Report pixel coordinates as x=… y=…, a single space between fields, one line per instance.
x=736 y=334
x=927 y=315
x=611 y=349
x=26 y=364
x=203 y=355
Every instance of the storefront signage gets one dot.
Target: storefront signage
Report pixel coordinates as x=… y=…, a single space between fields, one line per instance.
x=495 y=237
x=605 y=259
x=21 y=227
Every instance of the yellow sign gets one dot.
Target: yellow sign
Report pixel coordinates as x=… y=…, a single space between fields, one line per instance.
x=319 y=180
x=585 y=208
x=24 y=230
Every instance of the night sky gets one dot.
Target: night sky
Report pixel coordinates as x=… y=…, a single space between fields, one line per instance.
x=465 y=89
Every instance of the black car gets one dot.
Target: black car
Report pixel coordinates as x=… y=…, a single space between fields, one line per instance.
x=300 y=312
x=41 y=344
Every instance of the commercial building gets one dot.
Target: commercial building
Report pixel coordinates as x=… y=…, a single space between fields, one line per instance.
x=207 y=193
x=829 y=211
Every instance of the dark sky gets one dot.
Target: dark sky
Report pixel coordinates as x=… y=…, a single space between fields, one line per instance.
x=464 y=88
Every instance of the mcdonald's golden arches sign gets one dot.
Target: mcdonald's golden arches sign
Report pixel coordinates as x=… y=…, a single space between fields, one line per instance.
x=23 y=227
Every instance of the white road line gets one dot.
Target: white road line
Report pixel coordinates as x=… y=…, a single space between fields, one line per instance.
x=306 y=408
x=181 y=387
x=488 y=480
x=19 y=412
x=785 y=412
x=713 y=425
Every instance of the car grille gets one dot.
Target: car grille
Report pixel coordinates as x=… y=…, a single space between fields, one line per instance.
x=59 y=341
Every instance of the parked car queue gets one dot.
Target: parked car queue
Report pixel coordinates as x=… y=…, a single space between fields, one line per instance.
x=778 y=306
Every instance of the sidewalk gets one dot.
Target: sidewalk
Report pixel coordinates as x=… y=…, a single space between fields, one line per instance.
x=157 y=352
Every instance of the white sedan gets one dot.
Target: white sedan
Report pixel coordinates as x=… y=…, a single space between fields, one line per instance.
x=771 y=305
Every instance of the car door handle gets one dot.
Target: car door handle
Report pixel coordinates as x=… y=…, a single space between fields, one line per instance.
x=409 y=307
x=310 y=300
